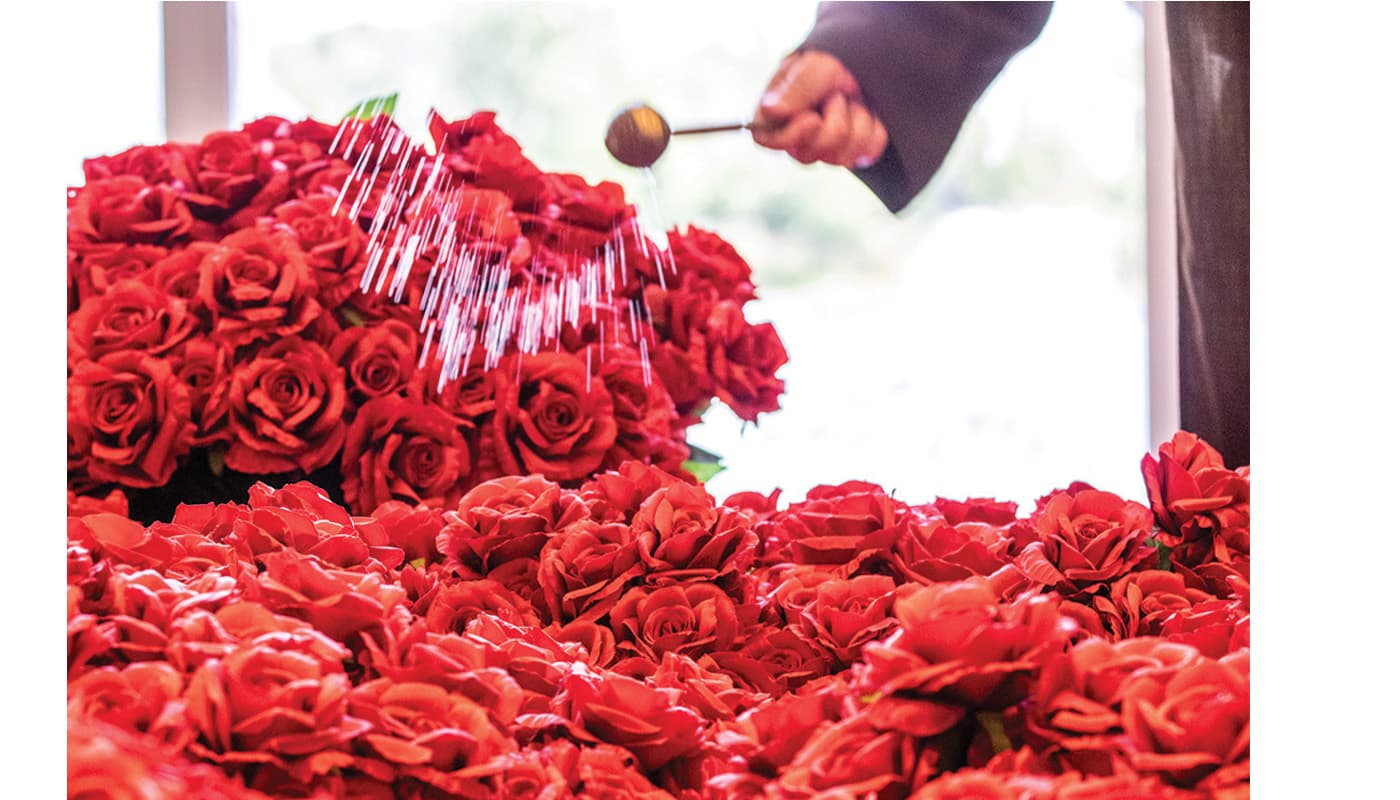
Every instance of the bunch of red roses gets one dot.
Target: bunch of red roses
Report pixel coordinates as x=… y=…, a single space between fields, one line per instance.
x=217 y=332
x=632 y=637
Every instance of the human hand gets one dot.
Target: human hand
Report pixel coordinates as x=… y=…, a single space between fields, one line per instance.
x=813 y=110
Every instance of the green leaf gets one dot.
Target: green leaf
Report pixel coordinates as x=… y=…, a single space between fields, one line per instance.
x=419 y=563
x=352 y=317
x=702 y=455
x=216 y=461
x=702 y=470
x=995 y=726
x=374 y=106
x=1164 y=554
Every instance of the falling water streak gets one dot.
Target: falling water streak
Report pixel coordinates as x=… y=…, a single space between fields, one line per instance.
x=427 y=345
x=377 y=244
x=651 y=193
x=632 y=319
x=467 y=300
x=646 y=362
x=344 y=125
x=384 y=151
x=356 y=174
x=393 y=200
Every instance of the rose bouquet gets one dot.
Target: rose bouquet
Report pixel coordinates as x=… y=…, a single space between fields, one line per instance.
x=218 y=333
x=633 y=637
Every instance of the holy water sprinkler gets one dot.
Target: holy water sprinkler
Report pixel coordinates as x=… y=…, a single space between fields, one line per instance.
x=639 y=135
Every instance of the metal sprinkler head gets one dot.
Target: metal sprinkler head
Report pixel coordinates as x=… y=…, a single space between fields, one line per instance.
x=638 y=136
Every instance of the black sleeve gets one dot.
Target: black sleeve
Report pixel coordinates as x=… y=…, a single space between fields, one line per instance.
x=921 y=67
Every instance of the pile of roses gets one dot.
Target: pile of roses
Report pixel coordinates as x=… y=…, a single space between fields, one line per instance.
x=634 y=638
x=217 y=332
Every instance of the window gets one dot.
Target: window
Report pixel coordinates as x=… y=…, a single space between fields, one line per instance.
x=990 y=341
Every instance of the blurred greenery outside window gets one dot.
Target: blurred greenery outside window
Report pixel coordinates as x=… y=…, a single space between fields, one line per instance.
x=991 y=340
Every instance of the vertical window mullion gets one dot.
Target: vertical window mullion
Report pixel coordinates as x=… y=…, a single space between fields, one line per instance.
x=198 y=68
x=1163 y=357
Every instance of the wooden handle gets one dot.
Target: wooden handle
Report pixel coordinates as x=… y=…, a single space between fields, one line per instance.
x=733 y=126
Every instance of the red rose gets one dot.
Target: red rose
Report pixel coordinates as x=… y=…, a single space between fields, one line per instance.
x=598 y=642
x=976 y=509
x=1215 y=627
x=414 y=529
x=500 y=526
x=1086 y=538
x=256 y=284
x=852 y=759
x=844 y=615
x=628 y=713
x=334 y=245
x=458 y=604
x=1169 y=477
x=1203 y=507
x=269 y=700
x=400 y=450
x=1140 y=602
x=958 y=648
x=204 y=366
x=1079 y=696
x=138 y=415
x=164 y=163
x=764 y=740
x=537 y=773
x=937 y=552
x=479 y=150
x=647 y=423
x=105 y=265
x=123 y=541
x=379 y=360
x=142 y=698
x=533 y=659
x=840 y=526
x=426 y=732
x=1186 y=723
x=744 y=360
x=107 y=762
x=692 y=620
x=198 y=635
x=616 y=496
x=710 y=692
x=610 y=773
x=684 y=538
x=285 y=410
x=585 y=569
x=127 y=210
x=705 y=255
x=131 y=316
x=553 y=418
x=482 y=220
x=976 y=784
x=114 y=502
x=178 y=273
x=338 y=602
x=680 y=358
x=576 y=217
x=470 y=399
x=235 y=180
x=329 y=522
x=293 y=145
x=774 y=661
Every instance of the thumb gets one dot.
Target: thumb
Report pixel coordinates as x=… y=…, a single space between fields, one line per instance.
x=805 y=84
